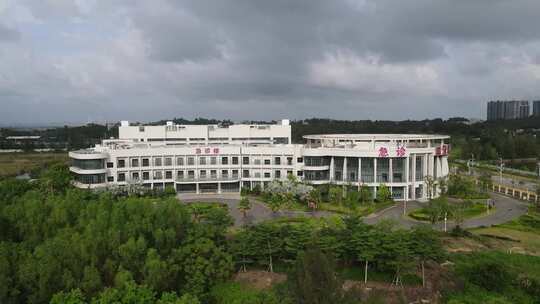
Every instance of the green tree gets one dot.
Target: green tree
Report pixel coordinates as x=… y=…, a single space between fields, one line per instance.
x=425 y=245
x=365 y=240
x=55 y=179
x=74 y=296
x=276 y=203
x=443 y=185
x=365 y=194
x=383 y=193
x=314 y=279
x=485 y=182
x=335 y=194
x=156 y=272
x=204 y=264
x=244 y=205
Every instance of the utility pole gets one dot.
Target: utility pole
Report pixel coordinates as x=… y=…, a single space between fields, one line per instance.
x=470 y=163
x=501 y=168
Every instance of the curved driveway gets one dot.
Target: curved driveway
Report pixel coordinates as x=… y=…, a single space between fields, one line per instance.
x=506 y=209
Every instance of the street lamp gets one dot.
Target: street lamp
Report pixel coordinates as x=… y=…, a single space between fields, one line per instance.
x=445 y=220
x=501 y=168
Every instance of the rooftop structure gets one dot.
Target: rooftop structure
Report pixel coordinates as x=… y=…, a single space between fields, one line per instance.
x=208 y=134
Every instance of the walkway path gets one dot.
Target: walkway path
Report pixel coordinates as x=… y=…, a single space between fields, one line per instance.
x=506 y=209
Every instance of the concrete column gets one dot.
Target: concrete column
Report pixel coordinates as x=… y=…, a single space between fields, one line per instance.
x=374 y=169
x=344 y=172
x=332 y=169
x=413 y=176
x=359 y=170
x=219 y=188
x=426 y=164
x=406 y=171
x=390 y=171
x=197 y=188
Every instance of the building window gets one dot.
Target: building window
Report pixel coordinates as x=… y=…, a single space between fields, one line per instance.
x=135 y=162
x=289 y=161
x=245 y=160
x=135 y=176
x=277 y=174
x=110 y=164
x=289 y=173
x=168 y=161
x=158 y=175
x=213 y=174
x=191 y=174
x=191 y=161
x=300 y=173
x=121 y=163
x=146 y=175
x=213 y=160
x=121 y=177
x=245 y=173
x=145 y=162
x=157 y=162
x=299 y=160
x=267 y=174
x=224 y=173
x=141 y=128
x=202 y=160
x=224 y=160
x=180 y=174
x=235 y=160
x=110 y=179
x=202 y=173
x=168 y=174
x=180 y=161
x=277 y=160
x=267 y=162
x=235 y=173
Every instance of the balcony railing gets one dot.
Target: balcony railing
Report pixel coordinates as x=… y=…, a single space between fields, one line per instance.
x=207 y=178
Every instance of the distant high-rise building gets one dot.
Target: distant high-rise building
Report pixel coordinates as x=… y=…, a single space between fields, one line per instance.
x=512 y=109
x=536 y=108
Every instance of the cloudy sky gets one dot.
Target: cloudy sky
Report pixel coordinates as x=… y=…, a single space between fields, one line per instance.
x=106 y=60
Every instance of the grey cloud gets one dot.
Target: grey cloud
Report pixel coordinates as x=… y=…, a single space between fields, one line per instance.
x=8 y=34
x=390 y=59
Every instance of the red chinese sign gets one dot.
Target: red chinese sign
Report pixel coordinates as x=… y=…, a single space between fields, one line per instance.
x=207 y=150
x=400 y=152
x=383 y=152
x=442 y=150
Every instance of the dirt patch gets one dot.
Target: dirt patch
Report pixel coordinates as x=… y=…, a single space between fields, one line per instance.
x=260 y=279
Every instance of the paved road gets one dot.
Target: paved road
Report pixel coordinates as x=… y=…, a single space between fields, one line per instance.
x=506 y=209
x=259 y=212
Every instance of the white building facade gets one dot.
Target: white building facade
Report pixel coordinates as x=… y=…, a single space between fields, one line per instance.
x=217 y=159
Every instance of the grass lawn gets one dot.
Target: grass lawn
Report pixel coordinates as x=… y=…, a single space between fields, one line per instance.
x=12 y=164
x=512 y=240
x=363 y=209
x=478 y=208
x=521 y=234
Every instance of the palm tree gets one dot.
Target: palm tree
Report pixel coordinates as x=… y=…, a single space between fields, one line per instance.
x=430 y=184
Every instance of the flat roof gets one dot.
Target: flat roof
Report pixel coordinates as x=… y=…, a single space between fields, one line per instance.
x=369 y=137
